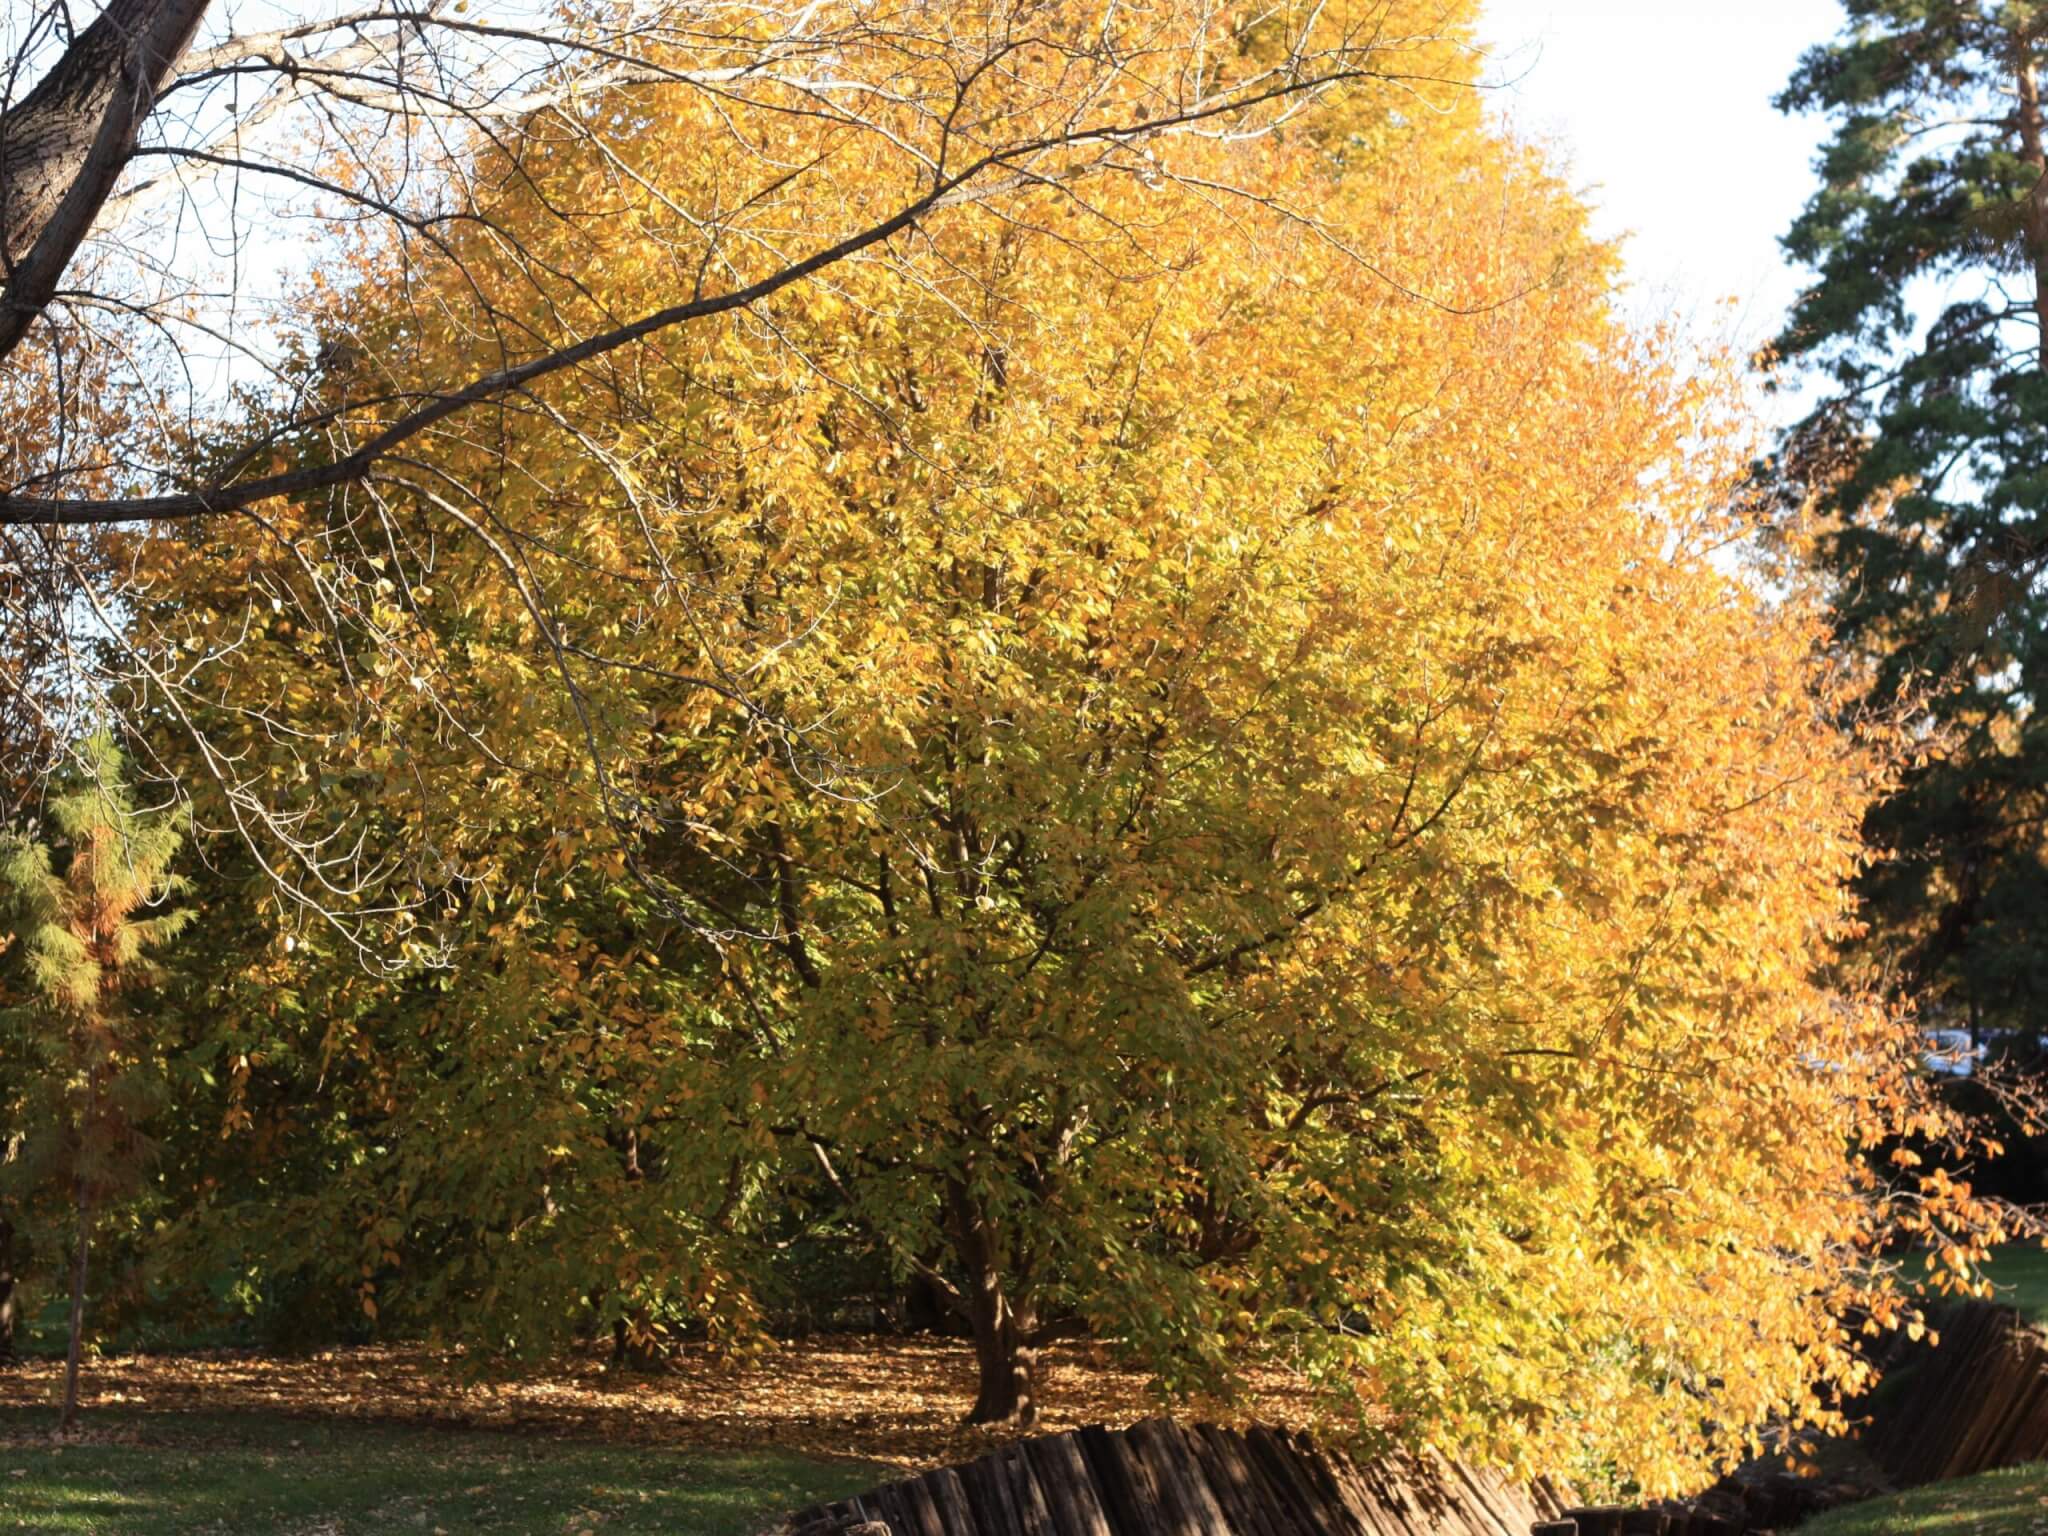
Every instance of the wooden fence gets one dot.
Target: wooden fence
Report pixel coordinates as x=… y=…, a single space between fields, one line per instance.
x=1976 y=1401
x=1161 y=1478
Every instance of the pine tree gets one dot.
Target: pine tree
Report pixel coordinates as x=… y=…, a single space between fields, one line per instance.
x=76 y=903
x=1928 y=460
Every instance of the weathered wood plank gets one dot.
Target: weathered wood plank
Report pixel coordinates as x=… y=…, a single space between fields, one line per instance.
x=949 y=1496
x=1126 y=1487
x=1365 y=1510
x=1034 y=1514
x=1063 y=1453
x=1180 y=1478
x=1315 y=1470
x=922 y=1509
x=1275 y=1462
x=1597 y=1519
x=988 y=1492
x=840 y=1511
x=1235 y=1483
x=1160 y=1478
x=1062 y=1472
x=1167 y=1486
x=1393 y=1500
x=1192 y=1456
x=894 y=1510
x=2029 y=1440
x=1993 y=1448
x=1925 y=1432
x=1490 y=1511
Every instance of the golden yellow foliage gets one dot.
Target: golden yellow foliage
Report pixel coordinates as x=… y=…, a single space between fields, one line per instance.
x=1176 y=751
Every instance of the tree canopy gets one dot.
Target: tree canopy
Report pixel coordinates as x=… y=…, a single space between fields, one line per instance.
x=87 y=1070
x=1180 y=755
x=1927 y=329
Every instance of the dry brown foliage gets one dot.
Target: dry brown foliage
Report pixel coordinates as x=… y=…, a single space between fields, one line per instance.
x=895 y=1401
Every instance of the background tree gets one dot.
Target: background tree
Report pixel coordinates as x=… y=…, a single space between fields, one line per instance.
x=1179 y=758
x=1927 y=331
x=75 y=901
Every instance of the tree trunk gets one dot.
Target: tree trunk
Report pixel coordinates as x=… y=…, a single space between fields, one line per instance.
x=82 y=1188
x=10 y=1303
x=1005 y=1346
x=924 y=1307
x=76 y=1341
x=2035 y=154
x=49 y=135
x=63 y=146
x=1007 y=1364
x=634 y=1347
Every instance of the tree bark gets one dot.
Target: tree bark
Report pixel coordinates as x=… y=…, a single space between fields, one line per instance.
x=1004 y=1324
x=10 y=1304
x=63 y=146
x=924 y=1307
x=74 y=1345
x=1006 y=1363
x=2035 y=154
x=633 y=1345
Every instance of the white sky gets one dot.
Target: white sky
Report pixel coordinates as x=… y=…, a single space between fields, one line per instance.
x=1664 y=108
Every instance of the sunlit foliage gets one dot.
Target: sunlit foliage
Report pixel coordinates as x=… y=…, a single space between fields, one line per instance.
x=1177 y=756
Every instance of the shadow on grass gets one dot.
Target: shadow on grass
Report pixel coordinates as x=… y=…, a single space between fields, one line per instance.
x=192 y=1473
x=2012 y=1502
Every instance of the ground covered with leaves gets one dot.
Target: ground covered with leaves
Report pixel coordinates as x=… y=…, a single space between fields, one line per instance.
x=382 y=1440
x=876 y=1401
x=407 y=1440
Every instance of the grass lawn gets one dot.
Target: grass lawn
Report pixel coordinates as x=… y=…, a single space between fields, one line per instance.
x=2020 y=1273
x=170 y=1475
x=2019 y=1279
x=2013 y=1502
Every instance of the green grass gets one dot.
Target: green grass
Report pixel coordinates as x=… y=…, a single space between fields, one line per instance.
x=2013 y=1502
x=186 y=1475
x=2020 y=1273
x=2019 y=1277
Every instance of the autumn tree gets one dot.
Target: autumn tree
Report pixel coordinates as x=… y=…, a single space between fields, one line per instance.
x=166 y=180
x=1926 y=332
x=77 y=901
x=1179 y=753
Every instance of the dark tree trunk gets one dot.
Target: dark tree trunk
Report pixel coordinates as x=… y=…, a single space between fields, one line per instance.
x=924 y=1307
x=634 y=1347
x=74 y=1344
x=1007 y=1363
x=1005 y=1325
x=63 y=146
x=2034 y=153
x=10 y=1303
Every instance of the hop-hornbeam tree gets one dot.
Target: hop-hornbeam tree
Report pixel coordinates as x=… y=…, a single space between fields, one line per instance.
x=77 y=901
x=1177 y=755
x=166 y=179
